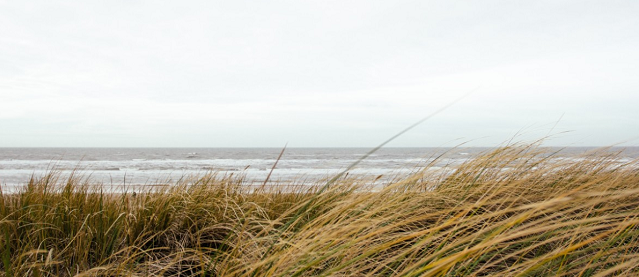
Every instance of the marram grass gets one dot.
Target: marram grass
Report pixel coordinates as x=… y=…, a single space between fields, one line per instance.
x=515 y=211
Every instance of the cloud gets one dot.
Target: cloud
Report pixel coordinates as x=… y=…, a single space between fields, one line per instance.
x=329 y=69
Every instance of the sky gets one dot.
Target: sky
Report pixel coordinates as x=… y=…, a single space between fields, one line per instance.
x=317 y=73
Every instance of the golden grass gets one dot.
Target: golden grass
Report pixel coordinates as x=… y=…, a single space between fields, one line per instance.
x=512 y=212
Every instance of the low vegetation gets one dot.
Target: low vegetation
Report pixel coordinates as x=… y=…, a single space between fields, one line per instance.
x=515 y=211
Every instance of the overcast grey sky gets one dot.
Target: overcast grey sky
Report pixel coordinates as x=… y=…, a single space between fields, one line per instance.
x=316 y=73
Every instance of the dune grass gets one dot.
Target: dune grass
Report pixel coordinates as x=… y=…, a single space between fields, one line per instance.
x=515 y=211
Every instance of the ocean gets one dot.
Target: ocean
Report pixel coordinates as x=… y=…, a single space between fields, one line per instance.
x=148 y=166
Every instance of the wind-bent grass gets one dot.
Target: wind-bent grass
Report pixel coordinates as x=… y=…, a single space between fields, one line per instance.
x=514 y=211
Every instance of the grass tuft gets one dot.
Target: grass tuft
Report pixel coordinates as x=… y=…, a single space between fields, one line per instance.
x=514 y=211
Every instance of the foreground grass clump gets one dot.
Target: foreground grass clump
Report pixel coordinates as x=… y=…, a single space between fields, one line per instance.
x=514 y=211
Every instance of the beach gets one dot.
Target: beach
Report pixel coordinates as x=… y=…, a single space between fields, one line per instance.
x=512 y=210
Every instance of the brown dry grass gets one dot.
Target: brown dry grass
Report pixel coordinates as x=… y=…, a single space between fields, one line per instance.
x=515 y=211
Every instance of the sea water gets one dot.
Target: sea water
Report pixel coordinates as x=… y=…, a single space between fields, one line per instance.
x=146 y=166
